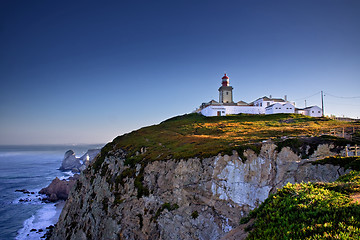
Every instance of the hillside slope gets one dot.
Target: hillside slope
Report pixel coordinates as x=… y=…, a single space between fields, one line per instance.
x=311 y=210
x=193 y=177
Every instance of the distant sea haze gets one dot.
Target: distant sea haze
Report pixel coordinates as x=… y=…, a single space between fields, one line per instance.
x=30 y=168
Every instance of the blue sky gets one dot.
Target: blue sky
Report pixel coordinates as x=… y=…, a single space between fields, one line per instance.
x=88 y=71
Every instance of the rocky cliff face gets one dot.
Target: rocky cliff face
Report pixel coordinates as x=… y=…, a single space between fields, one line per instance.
x=180 y=199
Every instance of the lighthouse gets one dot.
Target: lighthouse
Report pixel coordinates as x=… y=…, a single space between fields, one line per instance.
x=225 y=91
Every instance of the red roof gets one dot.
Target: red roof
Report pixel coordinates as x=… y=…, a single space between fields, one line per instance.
x=225 y=77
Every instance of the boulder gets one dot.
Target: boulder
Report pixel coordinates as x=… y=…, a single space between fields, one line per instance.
x=70 y=161
x=58 y=189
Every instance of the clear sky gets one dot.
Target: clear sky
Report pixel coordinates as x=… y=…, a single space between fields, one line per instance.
x=88 y=71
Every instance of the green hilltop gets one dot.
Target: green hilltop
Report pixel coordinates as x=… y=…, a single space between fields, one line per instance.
x=194 y=135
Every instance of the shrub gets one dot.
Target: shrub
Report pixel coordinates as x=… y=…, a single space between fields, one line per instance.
x=309 y=211
x=345 y=162
x=194 y=214
x=168 y=206
x=105 y=151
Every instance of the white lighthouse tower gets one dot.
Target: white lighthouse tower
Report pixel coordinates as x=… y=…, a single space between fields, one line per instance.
x=225 y=91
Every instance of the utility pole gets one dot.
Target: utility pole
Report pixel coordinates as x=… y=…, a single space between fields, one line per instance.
x=322 y=103
x=305 y=103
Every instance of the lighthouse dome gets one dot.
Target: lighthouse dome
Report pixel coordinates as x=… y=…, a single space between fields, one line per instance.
x=225 y=77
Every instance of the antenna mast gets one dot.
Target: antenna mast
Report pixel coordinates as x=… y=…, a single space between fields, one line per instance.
x=322 y=103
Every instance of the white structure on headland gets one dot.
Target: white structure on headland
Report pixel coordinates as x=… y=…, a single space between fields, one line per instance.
x=225 y=91
x=263 y=105
x=313 y=111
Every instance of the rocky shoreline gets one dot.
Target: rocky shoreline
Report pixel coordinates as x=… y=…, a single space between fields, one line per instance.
x=58 y=190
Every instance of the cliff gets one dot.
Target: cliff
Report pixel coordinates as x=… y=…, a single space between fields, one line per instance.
x=143 y=187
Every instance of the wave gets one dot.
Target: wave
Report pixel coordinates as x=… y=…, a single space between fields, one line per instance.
x=35 y=226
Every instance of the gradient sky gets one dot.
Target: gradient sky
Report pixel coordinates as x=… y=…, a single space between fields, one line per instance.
x=88 y=71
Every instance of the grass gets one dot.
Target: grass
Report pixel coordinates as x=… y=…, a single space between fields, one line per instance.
x=310 y=211
x=194 y=135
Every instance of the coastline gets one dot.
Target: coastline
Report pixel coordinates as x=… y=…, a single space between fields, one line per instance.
x=30 y=168
x=38 y=224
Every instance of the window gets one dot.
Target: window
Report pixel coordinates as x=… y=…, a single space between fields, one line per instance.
x=312 y=111
x=318 y=111
x=268 y=103
x=227 y=93
x=260 y=104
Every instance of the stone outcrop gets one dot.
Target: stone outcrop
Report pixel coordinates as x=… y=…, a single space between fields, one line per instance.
x=188 y=199
x=71 y=162
x=59 y=189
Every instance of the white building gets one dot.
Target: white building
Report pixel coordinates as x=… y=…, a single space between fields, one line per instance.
x=263 y=105
x=280 y=108
x=313 y=111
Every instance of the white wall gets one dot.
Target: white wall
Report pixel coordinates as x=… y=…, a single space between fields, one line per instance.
x=280 y=108
x=301 y=111
x=228 y=110
x=314 y=111
x=212 y=110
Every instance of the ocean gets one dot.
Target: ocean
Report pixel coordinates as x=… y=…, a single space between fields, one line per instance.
x=31 y=168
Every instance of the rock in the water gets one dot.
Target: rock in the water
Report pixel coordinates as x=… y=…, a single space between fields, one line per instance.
x=70 y=161
x=23 y=191
x=58 y=189
x=76 y=165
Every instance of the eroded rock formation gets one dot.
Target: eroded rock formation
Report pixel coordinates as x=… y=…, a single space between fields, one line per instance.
x=187 y=199
x=59 y=189
x=71 y=162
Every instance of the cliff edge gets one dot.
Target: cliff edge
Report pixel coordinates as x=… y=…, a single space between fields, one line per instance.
x=182 y=180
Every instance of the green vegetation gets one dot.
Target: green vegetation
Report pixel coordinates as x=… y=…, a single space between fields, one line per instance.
x=118 y=200
x=168 y=206
x=105 y=204
x=310 y=211
x=127 y=173
x=194 y=135
x=141 y=224
x=194 y=214
x=306 y=146
x=104 y=169
x=78 y=186
x=105 y=151
x=141 y=189
x=345 y=162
